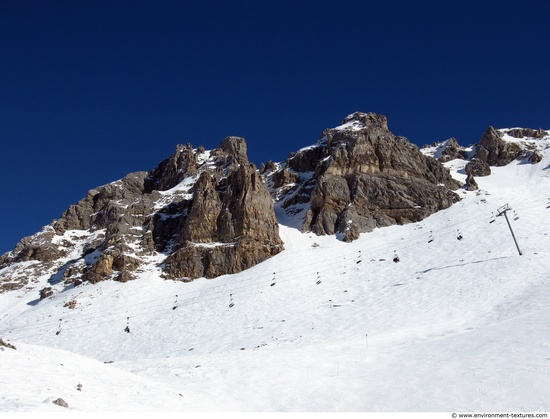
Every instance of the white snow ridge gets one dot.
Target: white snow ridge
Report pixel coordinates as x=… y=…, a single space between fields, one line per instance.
x=460 y=322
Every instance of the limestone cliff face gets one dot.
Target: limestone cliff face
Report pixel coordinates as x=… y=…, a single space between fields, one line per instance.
x=199 y=213
x=360 y=176
x=501 y=147
x=230 y=223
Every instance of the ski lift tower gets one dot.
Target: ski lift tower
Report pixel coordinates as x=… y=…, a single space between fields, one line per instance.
x=502 y=211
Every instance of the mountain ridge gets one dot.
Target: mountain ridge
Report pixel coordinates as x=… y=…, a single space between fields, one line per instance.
x=438 y=315
x=188 y=217
x=360 y=176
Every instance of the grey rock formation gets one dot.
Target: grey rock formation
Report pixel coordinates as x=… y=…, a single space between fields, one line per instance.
x=452 y=151
x=360 y=176
x=471 y=184
x=207 y=213
x=6 y=345
x=477 y=167
x=494 y=151
x=60 y=402
x=196 y=214
x=526 y=132
x=231 y=207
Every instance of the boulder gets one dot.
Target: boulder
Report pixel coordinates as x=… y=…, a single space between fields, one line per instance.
x=60 y=402
x=477 y=167
x=4 y=344
x=46 y=292
x=471 y=184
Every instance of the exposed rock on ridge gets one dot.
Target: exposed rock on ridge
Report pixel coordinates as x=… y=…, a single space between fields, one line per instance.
x=494 y=149
x=208 y=213
x=360 y=176
x=199 y=213
x=445 y=151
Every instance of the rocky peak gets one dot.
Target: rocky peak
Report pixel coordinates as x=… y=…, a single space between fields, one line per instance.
x=236 y=147
x=366 y=120
x=360 y=176
x=198 y=213
x=204 y=213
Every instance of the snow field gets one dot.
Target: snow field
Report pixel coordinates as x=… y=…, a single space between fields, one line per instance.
x=455 y=325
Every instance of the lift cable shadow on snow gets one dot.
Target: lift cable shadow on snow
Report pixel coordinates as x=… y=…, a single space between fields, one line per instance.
x=462 y=264
x=280 y=277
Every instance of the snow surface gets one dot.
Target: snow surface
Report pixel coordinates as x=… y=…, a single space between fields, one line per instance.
x=353 y=125
x=455 y=325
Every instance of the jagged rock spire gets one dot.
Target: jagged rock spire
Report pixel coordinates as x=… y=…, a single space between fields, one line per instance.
x=201 y=213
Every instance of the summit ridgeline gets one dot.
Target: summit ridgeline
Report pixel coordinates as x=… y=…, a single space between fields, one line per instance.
x=206 y=213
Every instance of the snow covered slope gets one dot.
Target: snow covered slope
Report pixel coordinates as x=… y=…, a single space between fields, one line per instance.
x=461 y=322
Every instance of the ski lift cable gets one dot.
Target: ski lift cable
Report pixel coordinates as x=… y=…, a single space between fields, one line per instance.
x=120 y=319
x=201 y=298
x=301 y=313
x=107 y=319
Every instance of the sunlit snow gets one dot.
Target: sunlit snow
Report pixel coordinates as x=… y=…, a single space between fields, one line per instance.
x=460 y=323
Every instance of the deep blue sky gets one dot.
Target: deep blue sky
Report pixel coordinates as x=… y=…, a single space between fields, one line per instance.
x=93 y=90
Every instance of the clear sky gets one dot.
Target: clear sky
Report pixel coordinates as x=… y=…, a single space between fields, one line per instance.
x=93 y=90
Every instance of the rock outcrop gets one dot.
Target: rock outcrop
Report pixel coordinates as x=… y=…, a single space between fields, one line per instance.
x=501 y=147
x=230 y=224
x=206 y=213
x=60 y=402
x=198 y=213
x=471 y=184
x=6 y=345
x=451 y=151
x=360 y=176
x=494 y=151
x=477 y=167
x=526 y=132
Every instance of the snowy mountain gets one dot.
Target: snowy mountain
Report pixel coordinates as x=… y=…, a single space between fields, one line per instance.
x=441 y=314
x=357 y=177
x=199 y=213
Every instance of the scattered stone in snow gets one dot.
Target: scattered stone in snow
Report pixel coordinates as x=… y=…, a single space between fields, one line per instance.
x=4 y=344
